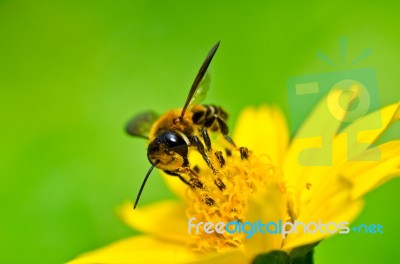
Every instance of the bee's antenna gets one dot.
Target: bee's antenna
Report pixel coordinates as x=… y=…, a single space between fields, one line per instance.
x=144 y=183
x=199 y=76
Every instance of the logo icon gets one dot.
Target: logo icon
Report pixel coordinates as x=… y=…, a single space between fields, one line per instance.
x=348 y=95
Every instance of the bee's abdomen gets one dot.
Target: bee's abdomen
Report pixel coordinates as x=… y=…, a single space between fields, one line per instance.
x=201 y=116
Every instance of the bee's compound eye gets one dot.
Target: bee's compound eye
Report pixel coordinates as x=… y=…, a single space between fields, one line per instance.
x=175 y=142
x=172 y=139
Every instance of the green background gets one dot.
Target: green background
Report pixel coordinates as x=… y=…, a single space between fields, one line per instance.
x=73 y=72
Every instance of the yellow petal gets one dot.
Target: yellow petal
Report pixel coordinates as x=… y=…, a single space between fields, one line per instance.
x=347 y=213
x=139 y=249
x=175 y=185
x=331 y=201
x=341 y=150
x=164 y=219
x=364 y=131
x=267 y=206
x=145 y=249
x=230 y=256
x=311 y=148
x=368 y=174
x=263 y=131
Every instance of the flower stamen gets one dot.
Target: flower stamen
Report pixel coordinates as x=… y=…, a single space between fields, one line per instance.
x=224 y=196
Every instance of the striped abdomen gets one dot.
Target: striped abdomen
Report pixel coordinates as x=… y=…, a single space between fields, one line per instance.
x=208 y=115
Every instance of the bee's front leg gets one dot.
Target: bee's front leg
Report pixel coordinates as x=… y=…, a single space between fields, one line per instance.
x=206 y=138
x=200 y=147
x=228 y=138
x=176 y=173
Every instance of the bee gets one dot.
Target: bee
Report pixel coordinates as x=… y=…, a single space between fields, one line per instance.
x=175 y=133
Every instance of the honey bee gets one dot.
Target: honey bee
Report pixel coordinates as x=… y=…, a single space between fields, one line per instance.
x=173 y=134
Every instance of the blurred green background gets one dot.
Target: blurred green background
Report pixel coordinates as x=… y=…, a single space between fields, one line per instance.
x=73 y=72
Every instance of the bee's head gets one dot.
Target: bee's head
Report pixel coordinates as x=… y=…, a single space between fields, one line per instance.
x=169 y=150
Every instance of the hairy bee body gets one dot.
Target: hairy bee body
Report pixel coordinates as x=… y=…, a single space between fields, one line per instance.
x=172 y=136
x=168 y=122
x=206 y=115
x=200 y=116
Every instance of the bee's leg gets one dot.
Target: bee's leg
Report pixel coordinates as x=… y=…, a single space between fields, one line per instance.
x=222 y=126
x=184 y=180
x=194 y=181
x=228 y=138
x=172 y=173
x=206 y=138
x=197 y=143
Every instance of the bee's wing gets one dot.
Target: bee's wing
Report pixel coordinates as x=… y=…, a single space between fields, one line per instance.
x=200 y=77
x=201 y=91
x=140 y=125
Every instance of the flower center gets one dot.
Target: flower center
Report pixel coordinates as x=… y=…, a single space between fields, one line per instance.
x=224 y=196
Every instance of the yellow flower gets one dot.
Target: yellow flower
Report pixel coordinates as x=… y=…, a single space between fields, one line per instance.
x=274 y=183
